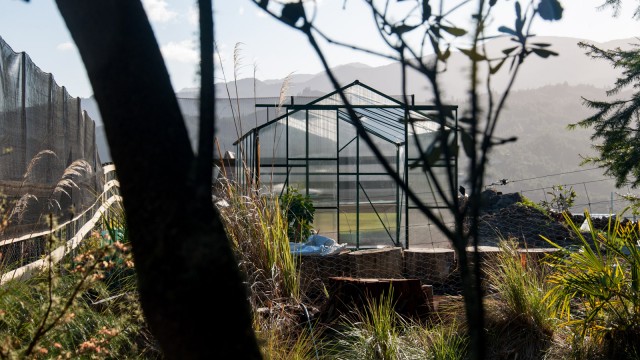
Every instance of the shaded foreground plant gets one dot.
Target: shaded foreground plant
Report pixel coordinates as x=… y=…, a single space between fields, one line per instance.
x=86 y=307
x=281 y=338
x=377 y=331
x=444 y=341
x=257 y=228
x=374 y=332
x=596 y=289
x=518 y=318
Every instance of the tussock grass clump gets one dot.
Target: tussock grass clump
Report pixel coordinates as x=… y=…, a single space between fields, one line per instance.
x=519 y=320
x=376 y=331
x=257 y=228
x=444 y=341
x=280 y=338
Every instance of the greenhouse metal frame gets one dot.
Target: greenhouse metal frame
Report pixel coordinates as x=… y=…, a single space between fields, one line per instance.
x=315 y=148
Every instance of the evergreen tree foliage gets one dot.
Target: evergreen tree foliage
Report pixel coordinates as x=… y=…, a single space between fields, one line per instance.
x=616 y=123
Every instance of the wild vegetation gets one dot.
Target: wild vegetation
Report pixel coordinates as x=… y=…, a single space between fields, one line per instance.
x=577 y=303
x=166 y=291
x=85 y=307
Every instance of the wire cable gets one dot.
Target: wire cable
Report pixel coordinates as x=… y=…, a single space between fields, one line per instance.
x=549 y=175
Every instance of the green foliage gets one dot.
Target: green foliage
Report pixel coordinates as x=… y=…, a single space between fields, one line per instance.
x=530 y=203
x=520 y=286
x=374 y=332
x=596 y=289
x=86 y=308
x=300 y=213
x=615 y=4
x=257 y=227
x=616 y=122
x=378 y=332
x=562 y=199
x=444 y=341
x=634 y=203
x=276 y=348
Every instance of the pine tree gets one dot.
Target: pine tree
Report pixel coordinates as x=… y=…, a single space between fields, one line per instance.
x=616 y=123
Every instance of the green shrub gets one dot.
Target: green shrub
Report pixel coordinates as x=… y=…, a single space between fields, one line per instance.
x=300 y=213
x=562 y=199
x=519 y=322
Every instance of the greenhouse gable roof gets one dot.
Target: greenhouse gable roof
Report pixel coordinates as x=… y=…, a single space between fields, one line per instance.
x=380 y=114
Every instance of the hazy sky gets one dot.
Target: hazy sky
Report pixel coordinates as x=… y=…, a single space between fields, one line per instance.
x=267 y=47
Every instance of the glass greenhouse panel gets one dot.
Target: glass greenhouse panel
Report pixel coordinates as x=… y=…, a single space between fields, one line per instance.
x=348 y=164
x=348 y=157
x=418 y=143
x=297 y=134
x=322 y=133
x=382 y=127
x=348 y=233
x=378 y=189
x=273 y=144
x=323 y=182
x=347 y=133
x=298 y=179
x=423 y=233
x=377 y=224
x=425 y=188
x=325 y=222
x=348 y=188
x=362 y=96
x=371 y=165
x=273 y=178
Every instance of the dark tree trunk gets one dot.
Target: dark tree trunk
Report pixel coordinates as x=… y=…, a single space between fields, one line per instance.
x=190 y=287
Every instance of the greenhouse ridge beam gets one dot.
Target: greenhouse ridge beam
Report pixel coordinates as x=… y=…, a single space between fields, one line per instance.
x=337 y=107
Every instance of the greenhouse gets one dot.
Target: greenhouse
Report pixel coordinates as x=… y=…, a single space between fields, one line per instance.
x=315 y=148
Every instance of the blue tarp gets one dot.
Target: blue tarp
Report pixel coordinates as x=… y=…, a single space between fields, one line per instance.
x=317 y=245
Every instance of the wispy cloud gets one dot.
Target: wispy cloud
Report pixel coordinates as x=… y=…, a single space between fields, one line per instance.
x=158 y=10
x=65 y=46
x=184 y=51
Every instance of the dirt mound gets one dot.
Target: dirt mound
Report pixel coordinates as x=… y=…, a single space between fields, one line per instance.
x=505 y=216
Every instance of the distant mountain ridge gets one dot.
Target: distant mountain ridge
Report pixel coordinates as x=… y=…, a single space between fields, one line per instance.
x=571 y=66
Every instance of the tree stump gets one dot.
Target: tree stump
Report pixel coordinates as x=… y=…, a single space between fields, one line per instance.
x=347 y=294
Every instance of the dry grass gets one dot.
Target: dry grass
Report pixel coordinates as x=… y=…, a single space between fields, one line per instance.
x=35 y=161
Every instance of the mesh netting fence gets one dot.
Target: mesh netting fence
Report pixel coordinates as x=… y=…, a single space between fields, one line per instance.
x=50 y=171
